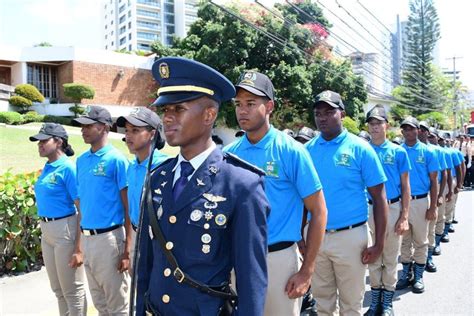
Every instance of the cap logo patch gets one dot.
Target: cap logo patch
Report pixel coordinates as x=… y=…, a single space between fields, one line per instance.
x=87 y=110
x=135 y=111
x=250 y=76
x=325 y=95
x=164 y=71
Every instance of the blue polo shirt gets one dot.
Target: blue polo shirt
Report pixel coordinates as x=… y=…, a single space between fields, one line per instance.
x=423 y=162
x=100 y=177
x=395 y=162
x=441 y=159
x=55 y=189
x=347 y=165
x=135 y=177
x=457 y=158
x=447 y=157
x=290 y=177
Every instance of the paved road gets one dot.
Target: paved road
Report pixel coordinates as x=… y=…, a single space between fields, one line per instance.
x=450 y=291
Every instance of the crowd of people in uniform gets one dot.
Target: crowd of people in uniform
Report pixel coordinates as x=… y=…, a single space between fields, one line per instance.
x=258 y=228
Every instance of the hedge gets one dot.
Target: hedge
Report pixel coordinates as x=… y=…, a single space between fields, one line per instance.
x=15 y=118
x=11 y=118
x=20 y=244
x=32 y=116
x=29 y=92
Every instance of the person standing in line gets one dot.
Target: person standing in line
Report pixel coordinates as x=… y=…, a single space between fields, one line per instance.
x=424 y=195
x=350 y=170
x=396 y=165
x=291 y=184
x=105 y=221
x=140 y=128
x=56 y=198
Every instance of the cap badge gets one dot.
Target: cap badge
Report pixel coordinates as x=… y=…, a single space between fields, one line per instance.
x=250 y=76
x=164 y=71
x=325 y=95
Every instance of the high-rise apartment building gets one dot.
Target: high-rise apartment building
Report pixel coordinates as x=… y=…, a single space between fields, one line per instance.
x=134 y=24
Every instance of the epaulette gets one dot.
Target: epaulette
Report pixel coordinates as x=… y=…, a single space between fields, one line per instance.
x=242 y=163
x=162 y=164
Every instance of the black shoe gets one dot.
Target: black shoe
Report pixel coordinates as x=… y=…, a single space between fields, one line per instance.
x=445 y=238
x=430 y=266
x=437 y=251
x=371 y=312
x=451 y=229
x=455 y=221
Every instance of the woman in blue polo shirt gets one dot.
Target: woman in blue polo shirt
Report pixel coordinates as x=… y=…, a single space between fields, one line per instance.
x=56 y=195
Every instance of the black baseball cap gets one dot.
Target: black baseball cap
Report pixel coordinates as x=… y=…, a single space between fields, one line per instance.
x=305 y=133
x=377 y=112
x=425 y=125
x=49 y=130
x=140 y=117
x=397 y=140
x=330 y=97
x=240 y=133
x=411 y=121
x=95 y=114
x=256 y=83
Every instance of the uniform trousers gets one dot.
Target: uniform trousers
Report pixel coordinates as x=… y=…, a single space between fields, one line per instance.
x=281 y=266
x=439 y=227
x=108 y=287
x=450 y=206
x=57 y=243
x=383 y=272
x=415 y=240
x=339 y=279
x=132 y=248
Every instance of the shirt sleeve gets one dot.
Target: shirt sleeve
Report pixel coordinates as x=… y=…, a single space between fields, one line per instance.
x=301 y=171
x=121 y=167
x=371 y=167
x=403 y=161
x=432 y=161
x=70 y=182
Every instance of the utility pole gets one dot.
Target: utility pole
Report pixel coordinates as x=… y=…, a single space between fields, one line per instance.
x=455 y=93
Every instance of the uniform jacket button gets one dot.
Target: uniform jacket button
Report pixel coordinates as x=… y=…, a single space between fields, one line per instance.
x=167 y=272
x=169 y=245
x=165 y=298
x=172 y=219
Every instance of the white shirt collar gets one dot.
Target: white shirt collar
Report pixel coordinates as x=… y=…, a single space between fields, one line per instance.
x=196 y=162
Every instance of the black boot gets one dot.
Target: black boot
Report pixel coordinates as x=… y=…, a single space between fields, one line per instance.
x=445 y=237
x=437 y=248
x=455 y=221
x=430 y=266
x=418 y=285
x=451 y=228
x=375 y=304
x=405 y=278
x=387 y=305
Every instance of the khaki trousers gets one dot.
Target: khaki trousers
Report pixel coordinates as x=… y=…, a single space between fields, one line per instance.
x=339 y=279
x=57 y=244
x=415 y=240
x=281 y=266
x=439 y=227
x=431 y=231
x=132 y=249
x=450 y=206
x=108 y=287
x=383 y=272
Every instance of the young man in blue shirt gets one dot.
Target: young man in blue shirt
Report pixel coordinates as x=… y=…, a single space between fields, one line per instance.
x=105 y=223
x=140 y=128
x=424 y=196
x=291 y=183
x=347 y=166
x=394 y=159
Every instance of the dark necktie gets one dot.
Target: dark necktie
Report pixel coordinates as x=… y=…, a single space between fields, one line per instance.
x=186 y=170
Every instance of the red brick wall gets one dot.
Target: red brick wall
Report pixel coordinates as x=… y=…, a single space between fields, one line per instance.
x=136 y=88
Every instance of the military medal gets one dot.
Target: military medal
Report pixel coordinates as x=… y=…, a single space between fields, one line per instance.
x=220 y=219
x=163 y=173
x=150 y=232
x=199 y=182
x=159 y=213
x=206 y=248
x=164 y=183
x=206 y=238
x=213 y=169
x=196 y=215
x=208 y=215
x=213 y=200
x=158 y=191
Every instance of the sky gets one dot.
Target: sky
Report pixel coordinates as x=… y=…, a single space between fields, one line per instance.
x=78 y=23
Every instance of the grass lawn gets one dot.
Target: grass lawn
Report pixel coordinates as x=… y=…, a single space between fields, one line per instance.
x=21 y=155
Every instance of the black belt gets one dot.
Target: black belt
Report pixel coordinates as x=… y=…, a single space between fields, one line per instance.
x=345 y=228
x=280 y=246
x=91 y=232
x=134 y=227
x=395 y=200
x=417 y=197
x=52 y=219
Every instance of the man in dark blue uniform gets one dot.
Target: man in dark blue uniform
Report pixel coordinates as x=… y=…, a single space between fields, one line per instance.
x=210 y=206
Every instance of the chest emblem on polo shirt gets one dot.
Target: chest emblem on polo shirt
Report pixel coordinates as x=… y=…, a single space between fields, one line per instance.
x=420 y=159
x=52 y=179
x=271 y=169
x=343 y=160
x=99 y=170
x=389 y=159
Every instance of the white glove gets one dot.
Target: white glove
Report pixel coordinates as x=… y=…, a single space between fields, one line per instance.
x=468 y=165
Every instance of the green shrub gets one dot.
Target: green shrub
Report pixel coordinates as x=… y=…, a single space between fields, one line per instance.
x=32 y=117
x=77 y=109
x=19 y=225
x=63 y=120
x=11 y=118
x=351 y=125
x=29 y=92
x=20 y=102
x=77 y=91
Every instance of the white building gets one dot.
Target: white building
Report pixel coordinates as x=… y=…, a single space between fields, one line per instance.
x=134 y=24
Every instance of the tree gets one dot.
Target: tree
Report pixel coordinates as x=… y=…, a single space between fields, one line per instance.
x=76 y=92
x=423 y=31
x=298 y=71
x=25 y=95
x=43 y=44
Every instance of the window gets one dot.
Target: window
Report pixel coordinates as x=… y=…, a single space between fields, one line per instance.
x=105 y=36
x=112 y=22
x=106 y=16
x=149 y=2
x=130 y=47
x=169 y=40
x=122 y=40
x=106 y=47
x=130 y=36
x=148 y=13
x=147 y=36
x=111 y=33
x=129 y=14
x=169 y=7
x=106 y=26
x=123 y=29
x=45 y=78
x=143 y=46
x=122 y=8
x=169 y=18
x=122 y=19
x=170 y=29
x=148 y=25
x=129 y=25
x=112 y=44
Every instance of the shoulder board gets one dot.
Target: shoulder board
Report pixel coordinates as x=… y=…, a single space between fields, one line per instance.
x=167 y=161
x=242 y=163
